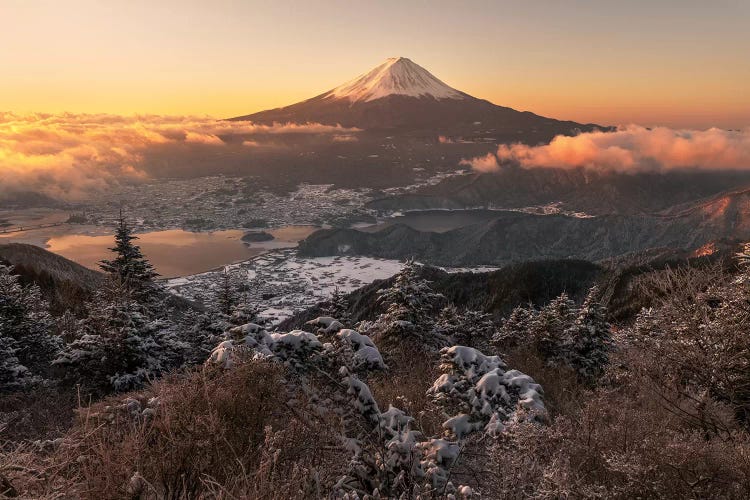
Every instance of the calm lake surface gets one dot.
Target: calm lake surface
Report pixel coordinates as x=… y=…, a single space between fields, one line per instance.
x=176 y=252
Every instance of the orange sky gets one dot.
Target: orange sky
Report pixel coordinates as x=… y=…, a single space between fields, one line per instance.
x=680 y=63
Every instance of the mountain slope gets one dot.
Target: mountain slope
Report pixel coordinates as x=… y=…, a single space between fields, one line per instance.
x=517 y=237
x=64 y=283
x=596 y=193
x=399 y=94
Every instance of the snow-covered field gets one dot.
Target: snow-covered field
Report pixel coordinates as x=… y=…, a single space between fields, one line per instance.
x=281 y=283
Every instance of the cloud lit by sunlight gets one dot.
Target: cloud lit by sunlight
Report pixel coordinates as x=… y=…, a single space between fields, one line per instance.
x=69 y=156
x=629 y=149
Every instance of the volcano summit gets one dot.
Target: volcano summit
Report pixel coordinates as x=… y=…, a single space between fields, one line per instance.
x=400 y=95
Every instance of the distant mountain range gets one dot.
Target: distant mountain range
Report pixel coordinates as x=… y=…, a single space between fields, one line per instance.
x=400 y=95
x=578 y=190
x=517 y=237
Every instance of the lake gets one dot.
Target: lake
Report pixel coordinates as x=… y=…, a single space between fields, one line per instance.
x=172 y=252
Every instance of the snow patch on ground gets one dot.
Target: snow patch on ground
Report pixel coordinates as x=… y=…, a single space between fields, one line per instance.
x=283 y=284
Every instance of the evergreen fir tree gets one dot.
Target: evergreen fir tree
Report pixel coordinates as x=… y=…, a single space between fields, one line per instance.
x=13 y=375
x=337 y=306
x=244 y=311
x=590 y=339
x=226 y=294
x=25 y=328
x=203 y=332
x=516 y=329
x=467 y=328
x=412 y=296
x=549 y=328
x=118 y=345
x=130 y=267
x=410 y=304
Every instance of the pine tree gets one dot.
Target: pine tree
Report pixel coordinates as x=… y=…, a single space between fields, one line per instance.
x=516 y=329
x=244 y=311
x=130 y=267
x=25 y=328
x=337 y=306
x=13 y=375
x=412 y=295
x=203 y=333
x=590 y=339
x=549 y=328
x=467 y=328
x=118 y=345
x=226 y=294
x=410 y=304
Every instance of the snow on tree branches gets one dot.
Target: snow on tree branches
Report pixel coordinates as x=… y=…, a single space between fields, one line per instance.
x=484 y=392
x=563 y=334
x=27 y=344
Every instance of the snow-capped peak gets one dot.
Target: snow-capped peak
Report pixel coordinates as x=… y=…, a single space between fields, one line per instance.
x=397 y=75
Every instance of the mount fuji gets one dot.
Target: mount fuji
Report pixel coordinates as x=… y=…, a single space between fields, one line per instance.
x=401 y=96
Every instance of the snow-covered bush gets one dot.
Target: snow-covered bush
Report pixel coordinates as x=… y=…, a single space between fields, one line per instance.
x=366 y=355
x=438 y=457
x=296 y=348
x=390 y=459
x=483 y=391
x=326 y=325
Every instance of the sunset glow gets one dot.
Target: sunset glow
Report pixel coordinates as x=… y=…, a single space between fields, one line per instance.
x=680 y=64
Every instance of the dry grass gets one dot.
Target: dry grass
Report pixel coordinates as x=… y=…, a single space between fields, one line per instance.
x=411 y=372
x=623 y=442
x=208 y=427
x=562 y=389
x=215 y=434
x=44 y=413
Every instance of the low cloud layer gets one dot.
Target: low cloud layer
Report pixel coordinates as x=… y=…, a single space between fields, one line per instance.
x=629 y=149
x=70 y=156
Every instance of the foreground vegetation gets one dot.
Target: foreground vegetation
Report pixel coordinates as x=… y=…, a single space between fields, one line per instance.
x=419 y=399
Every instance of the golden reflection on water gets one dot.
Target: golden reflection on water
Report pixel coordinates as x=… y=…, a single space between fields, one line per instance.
x=175 y=252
